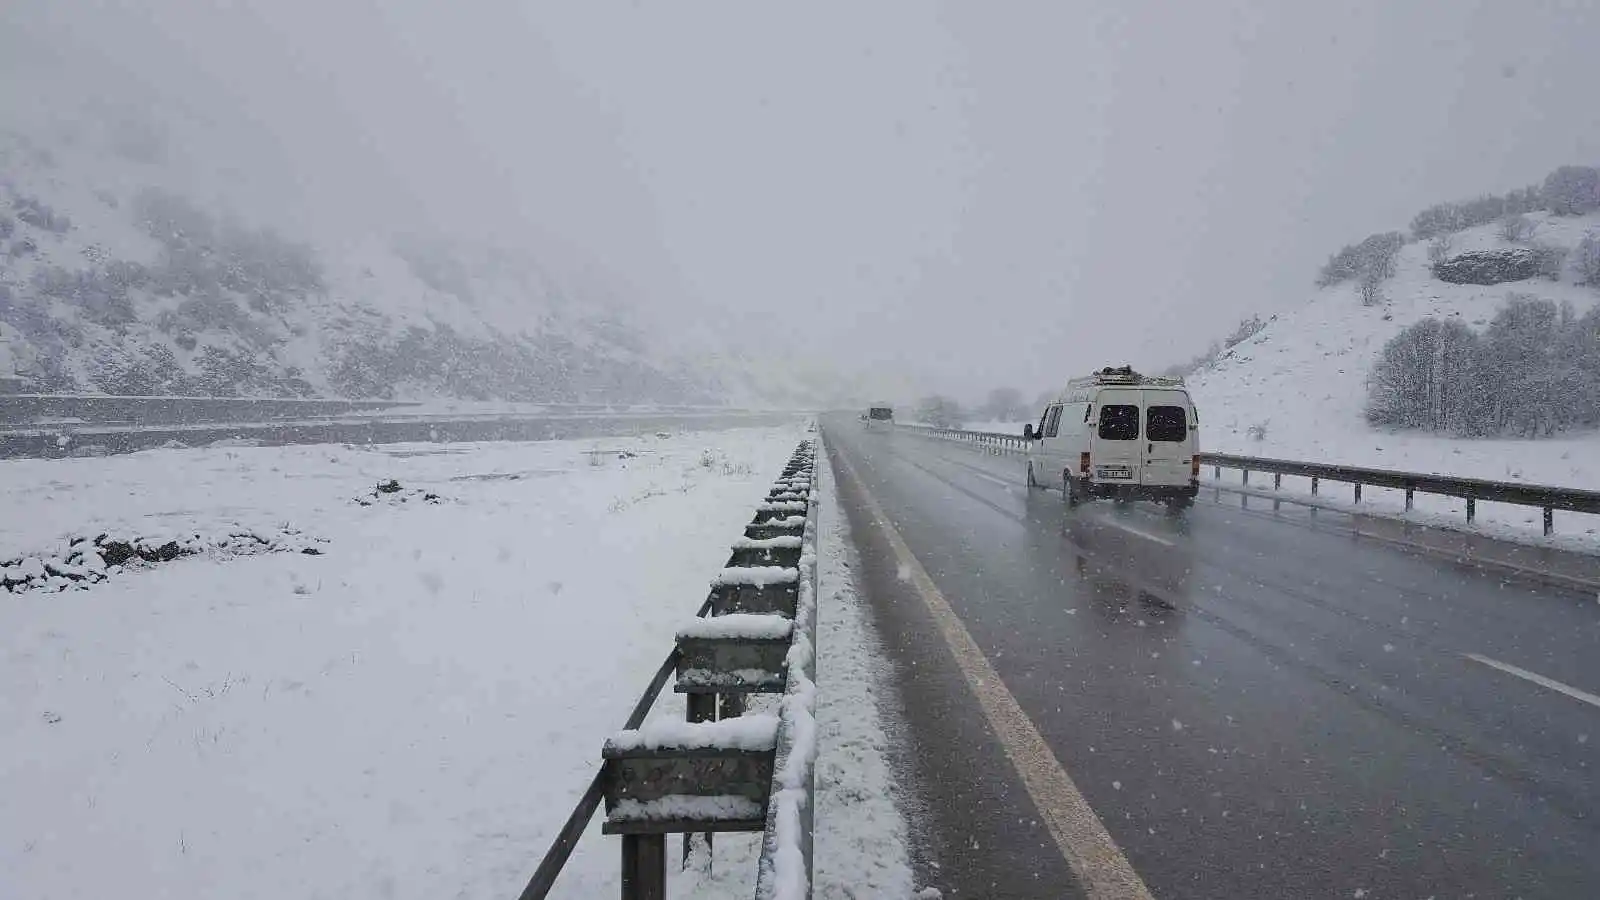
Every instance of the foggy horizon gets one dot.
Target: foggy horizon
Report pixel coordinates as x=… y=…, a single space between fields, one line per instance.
x=929 y=197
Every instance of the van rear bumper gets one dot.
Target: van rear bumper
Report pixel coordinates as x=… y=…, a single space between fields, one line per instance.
x=1111 y=490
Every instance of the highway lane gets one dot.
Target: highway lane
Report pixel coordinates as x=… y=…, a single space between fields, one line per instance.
x=1254 y=705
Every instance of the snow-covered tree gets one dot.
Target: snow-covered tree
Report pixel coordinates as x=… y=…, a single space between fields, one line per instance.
x=1573 y=190
x=1004 y=405
x=940 y=411
x=1427 y=377
x=1586 y=259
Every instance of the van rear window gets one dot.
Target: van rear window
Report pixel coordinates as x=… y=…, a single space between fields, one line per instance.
x=1119 y=423
x=1166 y=423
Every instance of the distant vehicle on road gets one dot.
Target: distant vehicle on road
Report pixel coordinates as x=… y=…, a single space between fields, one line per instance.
x=1121 y=435
x=881 y=416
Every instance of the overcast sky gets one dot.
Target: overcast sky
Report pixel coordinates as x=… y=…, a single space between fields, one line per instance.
x=966 y=194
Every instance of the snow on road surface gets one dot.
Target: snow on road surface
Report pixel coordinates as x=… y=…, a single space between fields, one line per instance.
x=411 y=714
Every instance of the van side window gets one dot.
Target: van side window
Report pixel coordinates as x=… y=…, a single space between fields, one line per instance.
x=1119 y=422
x=1054 y=424
x=1086 y=408
x=1044 y=417
x=1166 y=423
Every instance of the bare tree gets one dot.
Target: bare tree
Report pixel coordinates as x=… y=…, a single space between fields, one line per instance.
x=1586 y=259
x=1517 y=229
x=1372 y=289
x=1439 y=248
x=1427 y=377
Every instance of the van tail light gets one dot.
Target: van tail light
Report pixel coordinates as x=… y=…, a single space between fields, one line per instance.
x=1194 y=467
x=1083 y=463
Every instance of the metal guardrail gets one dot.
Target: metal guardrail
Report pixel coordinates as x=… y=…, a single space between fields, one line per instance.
x=989 y=439
x=1548 y=498
x=785 y=867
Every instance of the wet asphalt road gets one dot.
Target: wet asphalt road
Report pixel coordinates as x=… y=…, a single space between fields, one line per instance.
x=1254 y=704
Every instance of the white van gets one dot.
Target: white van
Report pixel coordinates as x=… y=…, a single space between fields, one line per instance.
x=880 y=416
x=1118 y=434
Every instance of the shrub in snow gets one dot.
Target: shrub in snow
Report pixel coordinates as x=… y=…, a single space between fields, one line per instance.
x=1486 y=267
x=1550 y=260
x=39 y=214
x=1517 y=228
x=1374 y=256
x=81 y=562
x=1586 y=259
x=1257 y=432
x=393 y=493
x=1449 y=218
x=1573 y=190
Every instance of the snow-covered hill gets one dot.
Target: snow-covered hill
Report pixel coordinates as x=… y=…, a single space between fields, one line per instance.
x=1298 y=389
x=136 y=257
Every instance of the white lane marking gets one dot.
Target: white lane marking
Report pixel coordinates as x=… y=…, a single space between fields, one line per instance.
x=1536 y=678
x=1080 y=836
x=1139 y=532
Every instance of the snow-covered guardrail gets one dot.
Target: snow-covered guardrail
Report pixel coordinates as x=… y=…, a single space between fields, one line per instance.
x=1548 y=498
x=1472 y=490
x=722 y=769
x=988 y=440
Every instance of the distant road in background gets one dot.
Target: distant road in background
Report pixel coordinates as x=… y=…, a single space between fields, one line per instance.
x=52 y=425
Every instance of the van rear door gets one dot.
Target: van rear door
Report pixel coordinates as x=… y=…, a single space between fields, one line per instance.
x=1116 y=452
x=1168 y=450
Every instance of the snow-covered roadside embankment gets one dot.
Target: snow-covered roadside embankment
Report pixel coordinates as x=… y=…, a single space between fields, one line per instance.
x=860 y=834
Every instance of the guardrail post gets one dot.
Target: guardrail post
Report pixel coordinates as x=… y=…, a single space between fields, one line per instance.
x=1472 y=510
x=1277 y=484
x=644 y=867
x=1244 y=499
x=1314 y=481
x=1358 y=492
x=698 y=708
x=1549 y=521
x=1409 y=492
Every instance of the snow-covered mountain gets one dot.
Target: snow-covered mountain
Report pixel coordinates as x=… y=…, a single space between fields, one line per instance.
x=137 y=258
x=1298 y=388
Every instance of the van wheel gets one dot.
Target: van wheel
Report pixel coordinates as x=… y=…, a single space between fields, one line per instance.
x=1069 y=488
x=1032 y=482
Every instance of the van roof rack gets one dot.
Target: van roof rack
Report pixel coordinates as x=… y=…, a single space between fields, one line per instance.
x=1126 y=375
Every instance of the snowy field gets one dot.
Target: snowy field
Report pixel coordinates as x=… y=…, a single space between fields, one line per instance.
x=410 y=714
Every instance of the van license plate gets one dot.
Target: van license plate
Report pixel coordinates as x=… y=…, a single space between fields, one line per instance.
x=1113 y=472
